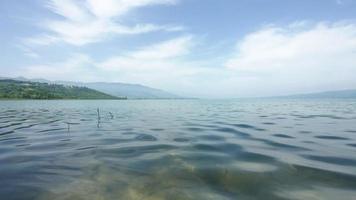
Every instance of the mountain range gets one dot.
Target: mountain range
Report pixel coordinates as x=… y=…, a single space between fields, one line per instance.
x=344 y=94
x=137 y=91
x=130 y=91
x=15 y=89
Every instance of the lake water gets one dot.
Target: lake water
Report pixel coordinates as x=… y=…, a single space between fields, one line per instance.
x=178 y=149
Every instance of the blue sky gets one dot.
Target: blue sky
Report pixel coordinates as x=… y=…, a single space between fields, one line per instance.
x=200 y=48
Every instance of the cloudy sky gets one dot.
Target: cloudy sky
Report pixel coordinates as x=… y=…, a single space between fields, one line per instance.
x=198 y=48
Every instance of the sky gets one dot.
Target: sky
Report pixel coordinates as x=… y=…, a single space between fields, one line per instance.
x=195 y=48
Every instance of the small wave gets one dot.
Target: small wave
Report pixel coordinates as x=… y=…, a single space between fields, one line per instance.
x=255 y=167
x=224 y=148
x=10 y=125
x=246 y=126
x=211 y=137
x=305 y=132
x=181 y=139
x=332 y=160
x=281 y=145
x=331 y=137
x=86 y=148
x=269 y=123
x=195 y=129
x=12 y=138
x=283 y=136
x=157 y=129
x=319 y=116
x=50 y=122
x=51 y=130
x=352 y=145
x=317 y=193
x=135 y=151
x=350 y=131
x=6 y=132
x=233 y=131
x=24 y=127
x=145 y=137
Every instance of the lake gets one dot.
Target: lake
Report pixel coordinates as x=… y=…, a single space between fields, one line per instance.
x=178 y=149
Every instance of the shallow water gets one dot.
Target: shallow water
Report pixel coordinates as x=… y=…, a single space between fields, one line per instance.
x=178 y=149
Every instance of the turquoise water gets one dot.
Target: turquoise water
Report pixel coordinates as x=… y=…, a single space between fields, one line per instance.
x=178 y=149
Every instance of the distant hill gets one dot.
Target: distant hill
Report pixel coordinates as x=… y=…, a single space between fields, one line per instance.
x=13 y=89
x=132 y=91
x=328 y=94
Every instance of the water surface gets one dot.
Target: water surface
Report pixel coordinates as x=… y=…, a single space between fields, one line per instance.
x=178 y=149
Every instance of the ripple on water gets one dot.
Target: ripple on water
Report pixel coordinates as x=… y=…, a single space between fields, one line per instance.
x=350 y=131
x=305 y=132
x=206 y=147
x=211 y=137
x=223 y=148
x=247 y=126
x=6 y=132
x=317 y=193
x=195 y=129
x=181 y=139
x=86 y=148
x=10 y=125
x=157 y=129
x=283 y=136
x=13 y=138
x=135 y=151
x=233 y=131
x=352 y=145
x=319 y=116
x=254 y=167
x=332 y=160
x=268 y=123
x=145 y=137
x=326 y=137
x=51 y=130
x=25 y=127
x=282 y=146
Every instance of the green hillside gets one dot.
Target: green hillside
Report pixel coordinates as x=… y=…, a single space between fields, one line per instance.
x=12 y=89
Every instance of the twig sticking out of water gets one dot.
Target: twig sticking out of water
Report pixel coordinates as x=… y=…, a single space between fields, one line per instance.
x=98 y=111
x=111 y=115
x=68 y=126
x=70 y=123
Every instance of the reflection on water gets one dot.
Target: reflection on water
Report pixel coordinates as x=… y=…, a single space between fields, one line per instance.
x=184 y=149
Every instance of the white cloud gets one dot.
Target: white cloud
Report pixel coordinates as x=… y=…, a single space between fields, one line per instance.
x=155 y=65
x=292 y=59
x=161 y=56
x=110 y=8
x=164 y=65
x=168 y=65
x=300 y=57
x=77 y=65
x=344 y=2
x=90 y=21
x=28 y=51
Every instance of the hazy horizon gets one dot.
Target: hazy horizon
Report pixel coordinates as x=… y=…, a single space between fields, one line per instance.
x=193 y=48
x=185 y=97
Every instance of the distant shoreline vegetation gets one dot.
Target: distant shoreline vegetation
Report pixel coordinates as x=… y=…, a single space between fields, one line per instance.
x=13 y=89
